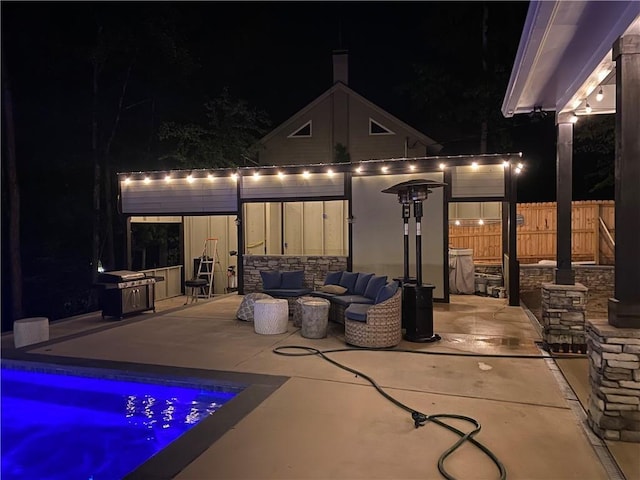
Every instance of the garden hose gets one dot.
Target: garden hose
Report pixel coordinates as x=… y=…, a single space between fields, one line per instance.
x=419 y=419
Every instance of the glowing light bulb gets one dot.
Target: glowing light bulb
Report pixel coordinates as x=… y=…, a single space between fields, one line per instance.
x=211 y=177
x=167 y=178
x=256 y=175
x=234 y=176
x=330 y=172
x=306 y=174
x=480 y=222
x=359 y=169
x=574 y=118
x=442 y=166
x=520 y=166
x=127 y=180
x=457 y=222
x=600 y=95
x=587 y=108
x=505 y=164
x=384 y=169
x=518 y=170
x=281 y=174
x=412 y=167
x=147 y=180
x=474 y=165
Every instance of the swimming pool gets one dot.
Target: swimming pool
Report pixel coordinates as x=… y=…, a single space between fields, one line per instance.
x=77 y=424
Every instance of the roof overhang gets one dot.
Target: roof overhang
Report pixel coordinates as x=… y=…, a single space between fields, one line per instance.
x=564 y=56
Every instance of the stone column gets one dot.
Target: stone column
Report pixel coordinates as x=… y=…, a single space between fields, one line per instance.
x=614 y=377
x=563 y=317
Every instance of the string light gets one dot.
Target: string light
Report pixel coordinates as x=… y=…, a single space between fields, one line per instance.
x=480 y=222
x=457 y=222
x=505 y=163
x=600 y=95
x=587 y=108
x=520 y=166
x=574 y=118
x=518 y=170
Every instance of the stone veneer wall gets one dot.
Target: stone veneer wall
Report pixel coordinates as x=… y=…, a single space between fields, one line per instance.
x=563 y=316
x=315 y=268
x=614 y=377
x=599 y=279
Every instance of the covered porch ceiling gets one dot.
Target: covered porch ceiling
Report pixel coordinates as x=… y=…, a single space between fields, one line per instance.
x=564 y=59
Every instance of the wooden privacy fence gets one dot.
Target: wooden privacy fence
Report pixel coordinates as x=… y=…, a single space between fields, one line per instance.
x=592 y=226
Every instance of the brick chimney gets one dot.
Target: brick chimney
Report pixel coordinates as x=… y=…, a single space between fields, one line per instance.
x=341 y=66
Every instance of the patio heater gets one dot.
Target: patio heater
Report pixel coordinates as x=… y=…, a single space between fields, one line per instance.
x=417 y=299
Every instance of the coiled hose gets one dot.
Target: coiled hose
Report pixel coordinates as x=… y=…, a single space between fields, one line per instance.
x=419 y=418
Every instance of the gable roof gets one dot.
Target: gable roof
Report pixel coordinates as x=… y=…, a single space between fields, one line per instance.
x=339 y=86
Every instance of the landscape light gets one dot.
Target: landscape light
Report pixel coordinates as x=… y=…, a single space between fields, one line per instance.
x=190 y=178
x=330 y=172
x=384 y=169
x=474 y=165
x=211 y=177
x=234 y=176
x=442 y=166
x=457 y=222
x=480 y=222
x=305 y=174
x=147 y=180
x=281 y=174
x=167 y=178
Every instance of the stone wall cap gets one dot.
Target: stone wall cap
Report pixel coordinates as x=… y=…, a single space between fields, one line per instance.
x=577 y=287
x=602 y=327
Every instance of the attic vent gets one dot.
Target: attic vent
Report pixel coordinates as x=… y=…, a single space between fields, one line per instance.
x=303 y=131
x=376 y=128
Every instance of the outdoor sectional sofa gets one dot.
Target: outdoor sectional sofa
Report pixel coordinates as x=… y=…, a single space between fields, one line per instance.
x=341 y=288
x=344 y=288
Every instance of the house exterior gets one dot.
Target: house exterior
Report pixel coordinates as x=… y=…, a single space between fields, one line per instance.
x=315 y=200
x=341 y=122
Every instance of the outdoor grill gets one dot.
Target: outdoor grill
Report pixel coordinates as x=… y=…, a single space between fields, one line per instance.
x=123 y=292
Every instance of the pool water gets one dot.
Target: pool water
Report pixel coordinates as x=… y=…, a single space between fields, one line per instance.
x=62 y=426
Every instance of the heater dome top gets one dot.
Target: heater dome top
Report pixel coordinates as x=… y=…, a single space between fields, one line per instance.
x=413 y=190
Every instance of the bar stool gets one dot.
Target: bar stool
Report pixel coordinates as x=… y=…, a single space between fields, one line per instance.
x=196 y=285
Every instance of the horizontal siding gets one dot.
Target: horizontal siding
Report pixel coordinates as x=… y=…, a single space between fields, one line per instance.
x=485 y=181
x=293 y=186
x=281 y=150
x=178 y=196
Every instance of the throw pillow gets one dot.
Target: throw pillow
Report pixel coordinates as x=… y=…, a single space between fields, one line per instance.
x=375 y=284
x=337 y=289
x=333 y=278
x=386 y=292
x=271 y=280
x=348 y=280
x=292 y=280
x=361 y=283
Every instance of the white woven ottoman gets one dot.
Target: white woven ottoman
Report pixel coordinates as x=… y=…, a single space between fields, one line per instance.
x=30 y=330
x=270 y=316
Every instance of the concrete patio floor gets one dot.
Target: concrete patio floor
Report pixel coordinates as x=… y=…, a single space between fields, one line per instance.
x=320 y=421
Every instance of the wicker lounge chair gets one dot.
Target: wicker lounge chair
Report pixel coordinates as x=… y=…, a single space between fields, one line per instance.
x=383 y=325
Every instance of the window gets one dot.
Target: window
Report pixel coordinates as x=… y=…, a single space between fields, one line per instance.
x=303 y=132
x=376 y=128
x=155 y=245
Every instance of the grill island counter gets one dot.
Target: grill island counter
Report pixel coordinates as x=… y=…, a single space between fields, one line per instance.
x=123 y=292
